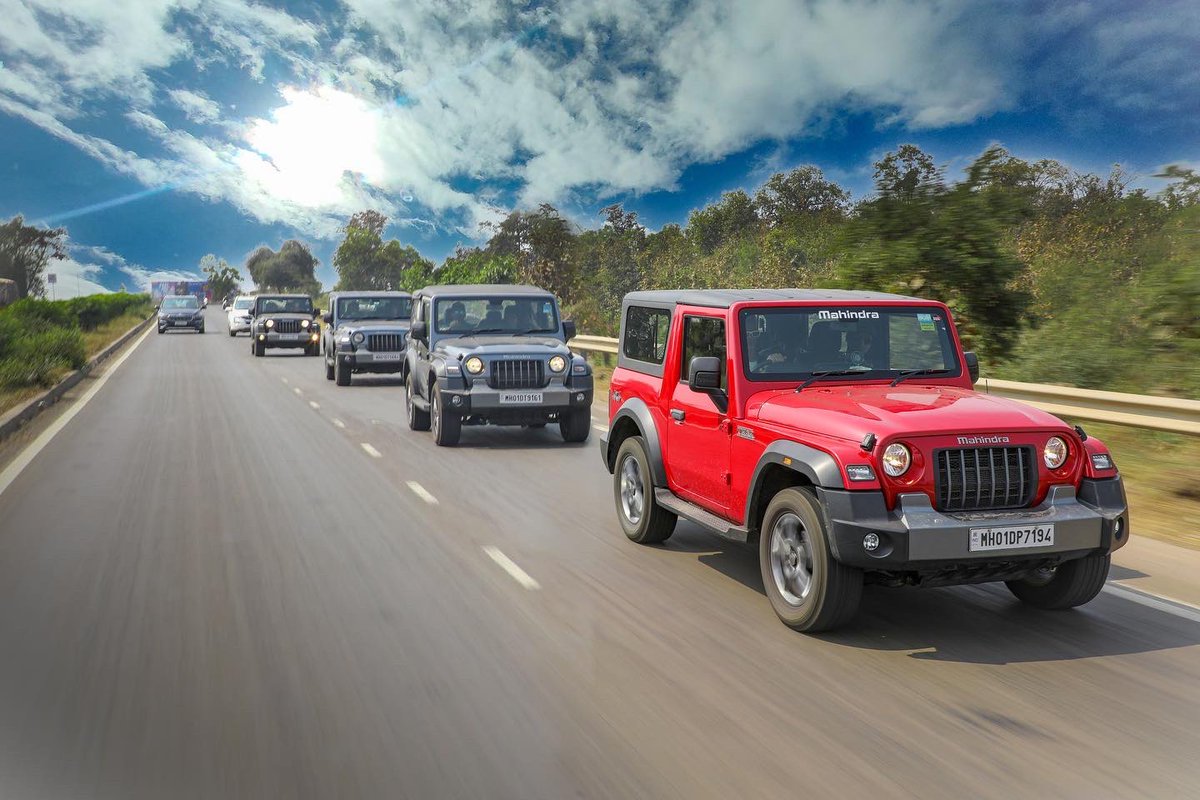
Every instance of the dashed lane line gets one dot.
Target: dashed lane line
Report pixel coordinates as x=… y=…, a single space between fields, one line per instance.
x=508 y=565
x=421 y=492
x=297 y=391
x=371 y=451
x=285 y=380
x=1150 y=600
x=314 y=405
x=337 y=423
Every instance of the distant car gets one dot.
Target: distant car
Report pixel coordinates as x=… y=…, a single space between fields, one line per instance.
x=239 y=314
x=365 y=332
x=284 y=320
x=176 y=313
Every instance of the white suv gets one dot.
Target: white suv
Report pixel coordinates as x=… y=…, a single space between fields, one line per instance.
x=239 y=315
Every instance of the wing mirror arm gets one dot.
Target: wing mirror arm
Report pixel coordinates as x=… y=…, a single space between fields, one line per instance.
x=704 y=375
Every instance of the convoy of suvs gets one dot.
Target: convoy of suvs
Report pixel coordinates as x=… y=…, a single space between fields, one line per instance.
x=839 y=432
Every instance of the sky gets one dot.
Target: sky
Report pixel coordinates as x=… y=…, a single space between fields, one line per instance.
x=157 y=131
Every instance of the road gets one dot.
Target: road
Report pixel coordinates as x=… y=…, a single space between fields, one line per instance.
x=226 y=577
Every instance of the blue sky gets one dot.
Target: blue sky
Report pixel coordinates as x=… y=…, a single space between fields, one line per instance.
x=158 y=131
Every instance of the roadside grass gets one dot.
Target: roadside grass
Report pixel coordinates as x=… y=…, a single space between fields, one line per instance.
x=110 y=331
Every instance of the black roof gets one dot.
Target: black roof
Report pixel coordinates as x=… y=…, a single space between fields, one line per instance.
x=286 y=296
x=371 y=293
x=724 y=298
x=479 y=290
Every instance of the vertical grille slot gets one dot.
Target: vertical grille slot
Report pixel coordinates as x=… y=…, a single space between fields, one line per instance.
x=287 y=326
x=385 y=342
x=517 y=374
x=985 y=478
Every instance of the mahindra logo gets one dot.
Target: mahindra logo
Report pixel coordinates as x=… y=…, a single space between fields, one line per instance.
x=843 y=314
x=983 y=440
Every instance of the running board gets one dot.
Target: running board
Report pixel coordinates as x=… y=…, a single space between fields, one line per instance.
x=705 y=519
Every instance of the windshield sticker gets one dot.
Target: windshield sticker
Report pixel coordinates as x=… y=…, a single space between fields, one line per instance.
x=926 y=321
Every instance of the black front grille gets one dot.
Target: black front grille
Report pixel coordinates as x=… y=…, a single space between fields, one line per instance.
x=287 y=326
x=523 y=374
x=385 y=342
x=984 y=478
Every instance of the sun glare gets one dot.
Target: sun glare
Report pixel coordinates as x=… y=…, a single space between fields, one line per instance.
x=302 y=154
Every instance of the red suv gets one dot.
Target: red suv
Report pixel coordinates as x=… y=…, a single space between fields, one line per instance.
x=841 y=431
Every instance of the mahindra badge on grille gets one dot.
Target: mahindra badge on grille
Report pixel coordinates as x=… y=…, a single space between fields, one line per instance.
x=967 y=440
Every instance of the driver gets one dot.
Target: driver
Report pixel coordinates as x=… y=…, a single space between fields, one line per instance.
x=456 y=316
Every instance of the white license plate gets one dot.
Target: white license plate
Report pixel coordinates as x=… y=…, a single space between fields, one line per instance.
x=1013 y=538
x=289 y=337
x=180 y=322
x=387 y=356
x=520 y=398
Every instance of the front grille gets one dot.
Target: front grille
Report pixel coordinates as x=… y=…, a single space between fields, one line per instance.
x=982 y=478
x=385 y=342
x=523 y=374
x=287 y=326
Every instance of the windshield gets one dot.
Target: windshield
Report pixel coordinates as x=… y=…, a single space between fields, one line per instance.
x=180 y=302
x=786 y=344
x=242 y=303
x=284 y=305
x=349 y=308
x=497 y=315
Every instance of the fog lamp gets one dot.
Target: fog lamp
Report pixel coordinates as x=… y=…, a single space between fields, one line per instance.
x=456 y=400
x=871 y=542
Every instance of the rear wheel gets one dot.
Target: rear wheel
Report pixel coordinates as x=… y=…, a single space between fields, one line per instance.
x=1065 y=586
x=232 y=333
x=807 y=587
x=328 y=369
x=575 y=426
x=447 y=425
x=341 y=373
x=200 y=329
x=418 y=419
x=643 y=520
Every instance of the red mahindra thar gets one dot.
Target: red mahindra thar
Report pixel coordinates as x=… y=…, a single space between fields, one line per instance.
x=842 y=433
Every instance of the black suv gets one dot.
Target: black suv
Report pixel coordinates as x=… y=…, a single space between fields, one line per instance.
x=493 y=355
x=284 y=320
x=180 y=311
x=365 y=332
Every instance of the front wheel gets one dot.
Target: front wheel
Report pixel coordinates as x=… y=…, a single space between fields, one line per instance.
x=447 y=425
x=1065 y=586
x=418 y=418
x=642 y=518
x=341 y=373
x=575 y=426
x=809 y=589
x=232 y=333
x=328 y=369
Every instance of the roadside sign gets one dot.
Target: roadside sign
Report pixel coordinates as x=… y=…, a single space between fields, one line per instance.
x=51 y=277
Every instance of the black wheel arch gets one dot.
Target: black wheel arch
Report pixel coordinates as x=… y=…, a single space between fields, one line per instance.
x=634 y=419
x=784 y=464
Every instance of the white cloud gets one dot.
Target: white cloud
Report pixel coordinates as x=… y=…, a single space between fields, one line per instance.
x=196 y=106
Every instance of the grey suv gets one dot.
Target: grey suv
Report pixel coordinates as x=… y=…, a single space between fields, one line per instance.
x=284 y=320
x=493 y=355
x=365 y=332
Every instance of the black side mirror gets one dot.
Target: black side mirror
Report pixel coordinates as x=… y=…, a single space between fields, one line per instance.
x=316 y=313
x=327 y=318
x=704 y=375
x=568 y=329
x=972 y=365
x=419 y=330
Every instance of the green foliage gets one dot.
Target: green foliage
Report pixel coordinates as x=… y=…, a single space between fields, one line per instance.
x=25 y=251
x=365 y=262
x=472 y=265
x=223 y=280
x=291 y=269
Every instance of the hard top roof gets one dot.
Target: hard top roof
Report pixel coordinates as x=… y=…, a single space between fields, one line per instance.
x=372 y=293
x=281 y=296
x=724 y=298
x=479 y=289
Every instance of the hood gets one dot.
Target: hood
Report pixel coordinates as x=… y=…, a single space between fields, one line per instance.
x=532 y=346
x=178 y=312
x=286 y=315
x=851 y=412
x=375 y=326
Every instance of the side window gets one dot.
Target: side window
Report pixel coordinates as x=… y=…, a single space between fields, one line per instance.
x=646 y=332
x=704 y=336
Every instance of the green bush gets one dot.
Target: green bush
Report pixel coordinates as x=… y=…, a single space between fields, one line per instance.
x=37 y=359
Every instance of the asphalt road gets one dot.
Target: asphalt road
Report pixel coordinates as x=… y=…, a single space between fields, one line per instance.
x=227 y=577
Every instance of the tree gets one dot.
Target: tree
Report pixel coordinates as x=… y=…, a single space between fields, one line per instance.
x=542 y=244
x=25 y=251
x=1183 y=191
x=223 y=280
x=364 y=262
x=291 y=269
x=731 y=218
x=802 y=194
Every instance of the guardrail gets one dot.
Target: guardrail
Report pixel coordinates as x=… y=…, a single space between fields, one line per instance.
x=1168 y=414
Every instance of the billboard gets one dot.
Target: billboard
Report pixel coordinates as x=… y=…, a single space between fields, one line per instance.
x=161 y=289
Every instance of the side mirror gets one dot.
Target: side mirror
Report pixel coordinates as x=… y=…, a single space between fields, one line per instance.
x=419 y=330
x=704 y=374
x=972 y=365
x=316 y=313
x=327 y=318
x=568 y=329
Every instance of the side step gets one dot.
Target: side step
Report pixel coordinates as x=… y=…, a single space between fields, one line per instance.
x=705 y=519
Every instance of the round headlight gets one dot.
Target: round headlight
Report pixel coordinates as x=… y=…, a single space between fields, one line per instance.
x=896 y=459
x=358 y=337
x=270 y=323
x=1055 y=452
x=473 y=365
x=557 y=363
x=303 y=323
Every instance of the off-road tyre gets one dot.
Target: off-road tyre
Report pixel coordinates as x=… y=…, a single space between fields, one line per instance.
x=232 y=333
x=329 y=369
x=1072 y=584
x=418 y=418
x=446 y=424
x=834 y=590
x=654 y=524
x=341 y=373
x=260 y=349
x=575 y=426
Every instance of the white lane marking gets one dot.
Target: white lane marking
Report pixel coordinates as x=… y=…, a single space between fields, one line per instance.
x=285 y=380
x=421 y=492
x=29 y=453
x=297 y=391
x=337 y=423
x=601 y=428
x=1155 y=601
x=371 y=451
x=508 y=565
x=315 y=405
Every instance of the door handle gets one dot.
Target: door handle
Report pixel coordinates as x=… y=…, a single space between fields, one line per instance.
x=678 y=414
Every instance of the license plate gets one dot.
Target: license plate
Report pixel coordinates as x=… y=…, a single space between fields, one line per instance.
x=180 y=322
x=1013 y=538
x=520 y=398
x=387 y=356
x=289 y=337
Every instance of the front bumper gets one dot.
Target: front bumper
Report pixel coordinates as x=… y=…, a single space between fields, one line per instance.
x=367 y=361
x=166 y=324
x=914 y=537
x=483 y=402
x=271 y=339
x=239 y=325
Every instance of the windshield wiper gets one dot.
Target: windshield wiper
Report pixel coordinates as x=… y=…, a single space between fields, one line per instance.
x=488 y=330
x=828 y=373
x=913 y=373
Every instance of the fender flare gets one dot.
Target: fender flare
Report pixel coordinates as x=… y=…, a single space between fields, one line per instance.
x=819 y=467
x=636 y=410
